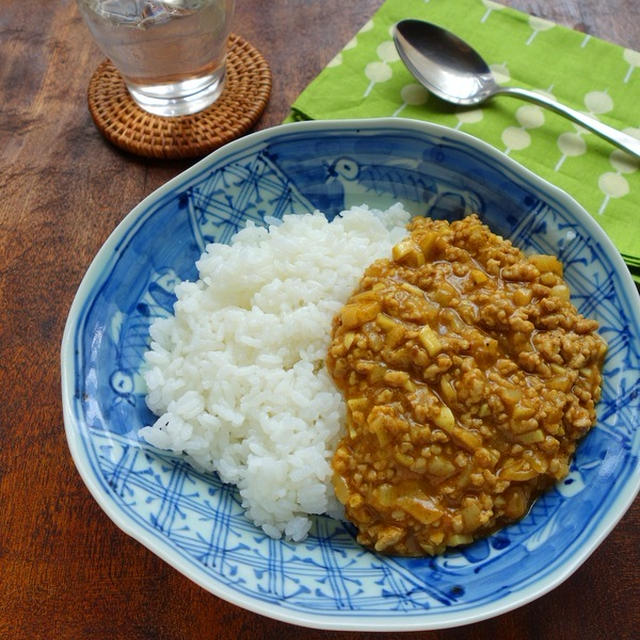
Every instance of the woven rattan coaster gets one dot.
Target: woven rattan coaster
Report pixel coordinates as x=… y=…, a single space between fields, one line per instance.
x=125 y=124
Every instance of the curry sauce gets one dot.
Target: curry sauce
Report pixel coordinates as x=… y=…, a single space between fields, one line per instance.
x=468 y=376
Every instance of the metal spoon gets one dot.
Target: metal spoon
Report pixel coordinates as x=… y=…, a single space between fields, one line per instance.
x=449 y=68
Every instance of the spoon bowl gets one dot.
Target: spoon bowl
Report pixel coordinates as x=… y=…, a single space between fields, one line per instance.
x=444 y=63
x=455 y=72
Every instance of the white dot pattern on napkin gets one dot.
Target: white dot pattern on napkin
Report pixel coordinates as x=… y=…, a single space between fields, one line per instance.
x=491 y=6
x=518 y=138
x=598 y=102
x=470 y=116
x=412 y=94
x=379 y=70
x=614 y=184
x=387 y=51
x=633 y=58
x=572 y=145
x=367 y=26
x=500 y=72
x=376 y=72
x=538 y=24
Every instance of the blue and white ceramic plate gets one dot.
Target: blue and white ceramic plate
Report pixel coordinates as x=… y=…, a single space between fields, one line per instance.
x=196 y=523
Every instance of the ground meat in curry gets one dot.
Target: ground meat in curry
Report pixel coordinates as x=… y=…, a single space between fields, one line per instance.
x=468 y=376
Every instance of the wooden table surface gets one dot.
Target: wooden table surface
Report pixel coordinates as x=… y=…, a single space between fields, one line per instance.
x=66 y=571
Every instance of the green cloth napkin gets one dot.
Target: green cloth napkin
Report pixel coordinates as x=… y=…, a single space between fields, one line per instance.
x=368 y=79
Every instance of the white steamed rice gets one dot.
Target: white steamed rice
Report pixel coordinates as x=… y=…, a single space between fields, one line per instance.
x=238 y=374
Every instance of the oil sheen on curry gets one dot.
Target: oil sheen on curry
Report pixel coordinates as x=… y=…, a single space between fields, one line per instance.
x=469 y=377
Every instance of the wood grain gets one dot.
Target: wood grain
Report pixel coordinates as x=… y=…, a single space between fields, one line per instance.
x=66 y=572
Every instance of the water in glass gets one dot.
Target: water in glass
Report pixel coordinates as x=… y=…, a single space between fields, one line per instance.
x=171 y=54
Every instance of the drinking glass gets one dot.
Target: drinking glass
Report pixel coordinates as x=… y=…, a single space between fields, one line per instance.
x=171 y=54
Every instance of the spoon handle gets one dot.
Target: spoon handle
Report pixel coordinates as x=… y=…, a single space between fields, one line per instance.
x=623 y=140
